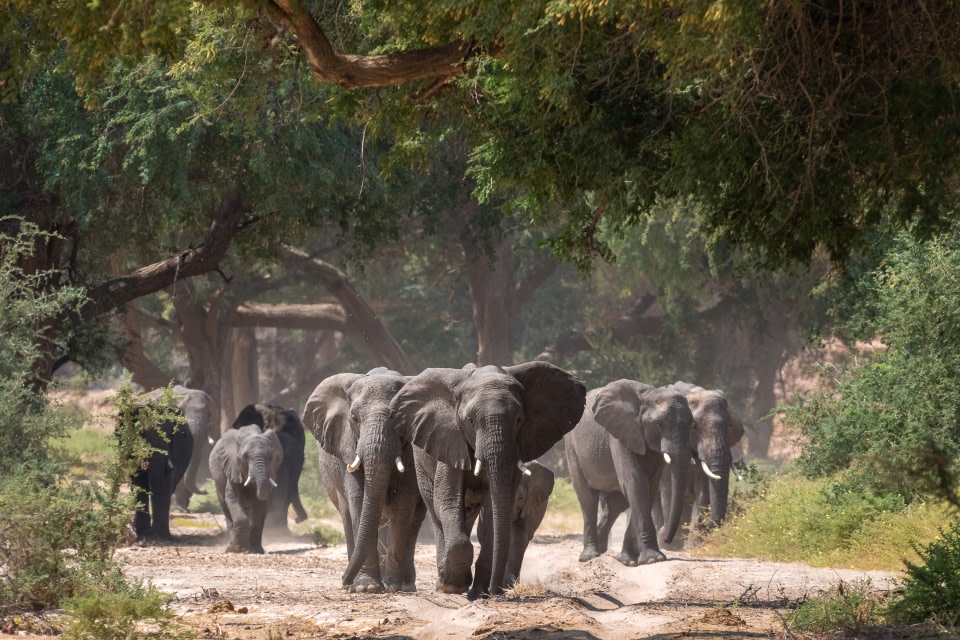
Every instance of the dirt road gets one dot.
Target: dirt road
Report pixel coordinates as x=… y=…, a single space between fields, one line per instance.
x=293 y=591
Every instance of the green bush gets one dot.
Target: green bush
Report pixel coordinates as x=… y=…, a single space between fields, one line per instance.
x=127 y=614
x=823 y=522
x=930 y=590
x=57 y=539
x=847 y=607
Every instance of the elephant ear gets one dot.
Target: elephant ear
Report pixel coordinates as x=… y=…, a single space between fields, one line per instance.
x=250 y=414
x=425 y=414
x=228 y=448
x=327 y=416
x=618 y=408
x=553 y=401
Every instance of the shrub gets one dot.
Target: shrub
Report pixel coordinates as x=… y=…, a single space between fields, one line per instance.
x=847 y=607
x=930 y=590
x=126 y=614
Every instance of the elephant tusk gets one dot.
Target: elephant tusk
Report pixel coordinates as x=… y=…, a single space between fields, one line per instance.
x=273 y=483
x=248 y=481
x=353 y=466
x=666 y=457
x=523 y=467
x=706 y=470
x=210 y=440
x=476 y=468
x=693 y=460
x=399 y=464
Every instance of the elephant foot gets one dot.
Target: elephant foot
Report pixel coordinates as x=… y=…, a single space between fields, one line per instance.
x=477 y=593
x=626 y=559
x=400 y=586
x=451 y=588
x=234 y=548
x=365 y=584
x=589 y=553
x=649 y=556
x=258 y=548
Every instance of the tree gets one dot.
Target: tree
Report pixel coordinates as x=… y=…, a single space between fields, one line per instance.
x=796 y=125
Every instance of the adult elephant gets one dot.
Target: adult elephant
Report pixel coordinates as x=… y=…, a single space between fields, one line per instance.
x=628 y=434
x=471 y=429
x=716 y=428
x=244 y=464
x=196 y=406
x=289 y=429
x=529 y=507
x=159 y=472
x=363 y=465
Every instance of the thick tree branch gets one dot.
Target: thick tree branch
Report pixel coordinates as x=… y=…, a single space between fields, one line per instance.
x=362 y=325
x=315 y=317
x=194 y=261
x=354 y=71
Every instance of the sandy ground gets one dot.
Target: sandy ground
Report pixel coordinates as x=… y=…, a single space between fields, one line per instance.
x=293 y=591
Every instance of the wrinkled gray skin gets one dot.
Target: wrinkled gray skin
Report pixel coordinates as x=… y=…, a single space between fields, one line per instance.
x=243 y=463
x=499 y=417
x=154 y=480
x=196 y=408
x=616 y=458
x=286 y=424
x=380 y=506
x=529 y=507
x=716 y=428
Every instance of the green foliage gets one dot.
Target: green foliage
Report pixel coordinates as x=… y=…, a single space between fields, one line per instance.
x=930 y=588
x=58 y=539
x=847 y=607
x=134 y=613
x=891 y=417
x=821 y=523
x=563 y=498
x=134 y=419
x=324 y=536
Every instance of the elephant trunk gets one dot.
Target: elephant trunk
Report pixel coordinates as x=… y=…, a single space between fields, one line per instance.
x=501 y=470
x=679 y=472
x=719 y=488
x=378 y=453
x=258 y=471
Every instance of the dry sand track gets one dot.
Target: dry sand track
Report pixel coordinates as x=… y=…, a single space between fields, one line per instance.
x=293 y=591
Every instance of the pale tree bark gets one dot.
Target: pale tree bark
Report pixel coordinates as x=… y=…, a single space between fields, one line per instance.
x=241 y=370
x=490 y=282
x=143 y=371
x=363 y=327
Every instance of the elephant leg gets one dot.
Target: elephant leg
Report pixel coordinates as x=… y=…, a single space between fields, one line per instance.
x=589 y=500
x=141 y=516
x=484 y=566
x=455 y=555
x=612 y=504
x=239 y=520
x=406 y=512
x=160 y=495
x=639 y=481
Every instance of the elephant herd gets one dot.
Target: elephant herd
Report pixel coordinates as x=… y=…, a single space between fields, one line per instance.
x=459 y=445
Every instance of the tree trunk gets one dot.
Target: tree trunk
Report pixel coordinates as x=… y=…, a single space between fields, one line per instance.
x=143 y=371
x=363 y=327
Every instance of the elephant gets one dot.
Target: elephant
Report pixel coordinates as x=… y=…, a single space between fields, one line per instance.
x=529 y=507
x=244 y=463
x=628 y=434
x=196 y=406
x=157 y=475
x=286 y=424
x=363 y=467
x=472 y=428
x=716 y=428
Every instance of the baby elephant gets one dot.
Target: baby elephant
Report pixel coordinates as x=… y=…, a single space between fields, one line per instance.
x=244 y=465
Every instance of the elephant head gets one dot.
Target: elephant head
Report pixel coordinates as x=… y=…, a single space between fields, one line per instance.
x=251 y=456
x=491 y=420
x=349 y=415
x=716 y=428
x=650 y=420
